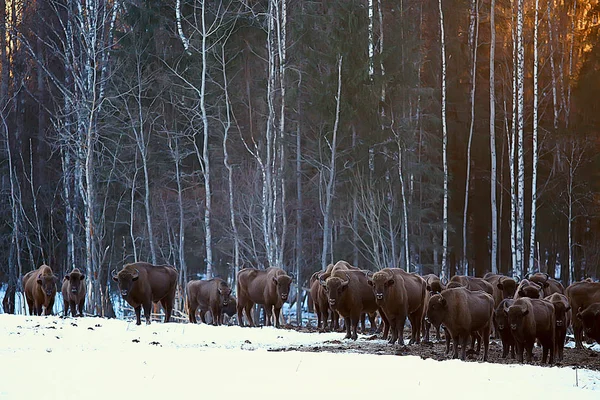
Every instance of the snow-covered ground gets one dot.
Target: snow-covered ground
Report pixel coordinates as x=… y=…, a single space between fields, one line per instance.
x=94 y=358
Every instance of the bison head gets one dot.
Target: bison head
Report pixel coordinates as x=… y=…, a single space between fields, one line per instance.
x=282 y=283
x=508 y=286
x=224 y=293
x=435 y=286
x=437 y=309
x=47 y=283
x=126 y=278
x=516 y=314
x=381 y=282
x=590 y=318
x=75 y=278
x=501 y=315
x=453 y=284
x=560 y=312
x=335 y=288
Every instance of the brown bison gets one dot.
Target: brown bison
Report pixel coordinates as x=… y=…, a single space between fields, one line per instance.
x=471 y=283
x=350 y=295
x=549 y=285
x=530 y=319
x=40 y=290
x=269 y=287
x=464 y=313
x=400 y=295
x=503 y=327
x=211 y=295
x=320 y=302
x=229 y=310
x=563 y=316
x=504 y=286
x=529 y=289
x=590 y=319
x=73 y=292
x=142 y=283
x=581 y=295
x=434 y=286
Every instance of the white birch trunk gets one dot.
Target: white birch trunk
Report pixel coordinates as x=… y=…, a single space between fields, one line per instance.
x=552 y=66
x=205 y=153
x=532 y=267
x=473 y=43
x=331 y=180
x=371 y=43
x=404 y=211
x=444 y=272
x=132 y=212
x=493 y=172
x=299 y=204
x=520 y=133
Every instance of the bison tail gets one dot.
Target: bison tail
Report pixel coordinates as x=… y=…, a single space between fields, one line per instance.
x=311 y=304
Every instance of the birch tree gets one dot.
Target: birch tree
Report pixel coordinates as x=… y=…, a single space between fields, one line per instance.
x=520 y=78
x=444 y=272
x=493 y=172
x=532 y=267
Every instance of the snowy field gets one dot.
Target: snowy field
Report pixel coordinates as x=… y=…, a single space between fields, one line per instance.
x=94 y=358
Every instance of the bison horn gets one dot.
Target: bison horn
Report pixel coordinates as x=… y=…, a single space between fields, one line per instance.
x=547 y=277
x=322 y=281
x=113 y=273
x=518 y=278
x=137 y=273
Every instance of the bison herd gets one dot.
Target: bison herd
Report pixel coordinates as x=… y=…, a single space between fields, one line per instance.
x=520 y=312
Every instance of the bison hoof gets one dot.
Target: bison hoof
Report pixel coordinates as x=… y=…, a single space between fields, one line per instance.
x=354 y=337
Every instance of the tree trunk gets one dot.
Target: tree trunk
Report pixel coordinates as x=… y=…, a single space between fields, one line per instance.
x=532 y=267
x=444 y=272
x=329 y=189
x=521 y=142
x=473 y=43
x=493 y=172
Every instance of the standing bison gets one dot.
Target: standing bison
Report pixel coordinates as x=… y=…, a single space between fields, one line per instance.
x=269 y=287
x=581 y=295
x=400 y=295
x=434 y=286
x=530 y=319
x=464 y=313
x=142 y=283
x=590 y=319
x=471 y=283
x=529 y=289
x=563 y=316
x=320 y=302
x=504 y=286
x=350 y=295
x=40 y=290
x=208 y=295
x=73 y=292
x=503 y=328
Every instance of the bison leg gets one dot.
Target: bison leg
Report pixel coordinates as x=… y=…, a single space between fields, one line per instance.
x=348 y=327
x=398 y=329
x=363 y=322
x=49 y=308
x=463 y=345
x=215 y=315
x=486 y=342
x=167 y=304
x=277 y=312
x=66 y=308
x=529 y=351
x=355 y=328
x=415 y=325
x=73 y=308
x=138 y=315
x=148 y=312
x=426 y=327
x=240 y=312
x=248 y=310
x=386 y=324
x=373 y=322
x=192 y=308
x=520 y=349
x=81 y=306
x=437 y=333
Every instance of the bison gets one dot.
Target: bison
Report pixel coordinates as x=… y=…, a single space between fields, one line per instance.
x=464 y=313
x=504 y=286
x=400 y=295
x=581 y=295
x=320 y=302
x=563 y=316
x=530 y=319
x=350 y=295
x=434 y=286
x=210 y=295
x=142 y=283
x=529 y=289
x=503 y=328
x=471 y=283
x=40 y=290
x=590 y=319
x=549 y=285
x=73 y=292
x=269 y=287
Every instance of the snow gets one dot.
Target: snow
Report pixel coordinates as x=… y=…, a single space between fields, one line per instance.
x=95 y=358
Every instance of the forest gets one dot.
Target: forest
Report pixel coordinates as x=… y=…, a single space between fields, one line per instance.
x=448 y=137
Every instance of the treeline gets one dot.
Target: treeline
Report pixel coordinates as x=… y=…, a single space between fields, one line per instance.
x=212 y=135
